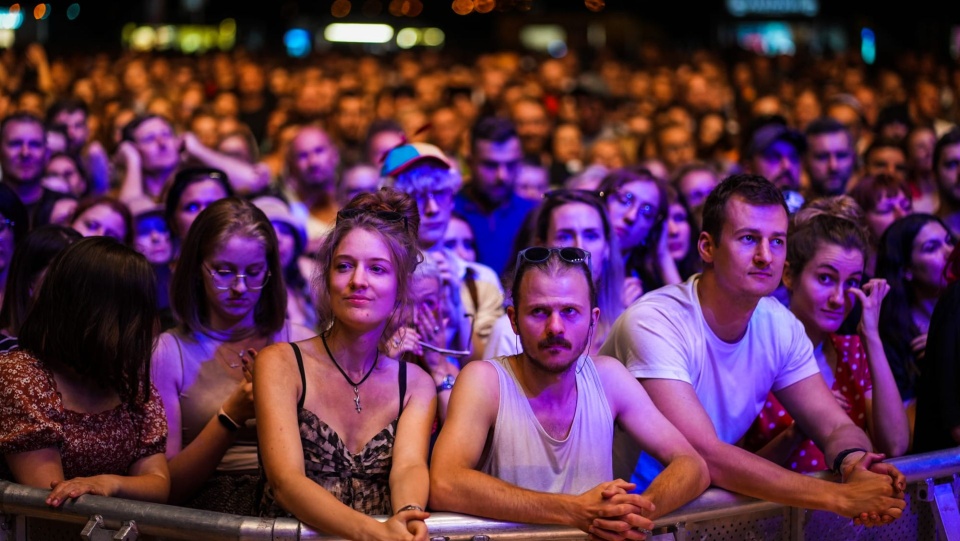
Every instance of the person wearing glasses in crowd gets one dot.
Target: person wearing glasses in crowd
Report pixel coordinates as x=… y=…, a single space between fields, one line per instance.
x=692 y=345
x=472 y=293
x=636 y=202
x=344 y=426
x=579 y=219
x=529 y=437
x=228 y=295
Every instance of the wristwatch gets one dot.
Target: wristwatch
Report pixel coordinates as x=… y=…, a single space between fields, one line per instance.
x=446 y=384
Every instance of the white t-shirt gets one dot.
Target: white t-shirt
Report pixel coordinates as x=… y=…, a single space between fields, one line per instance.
x=664 y=336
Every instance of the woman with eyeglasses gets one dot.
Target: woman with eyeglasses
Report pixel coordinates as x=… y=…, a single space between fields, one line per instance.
x=912 y=259
x=228 y=295
x=345 y=428
x=636 y=202
x=578 y=219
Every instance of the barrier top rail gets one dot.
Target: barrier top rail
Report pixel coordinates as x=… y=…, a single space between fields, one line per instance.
x=183 y=523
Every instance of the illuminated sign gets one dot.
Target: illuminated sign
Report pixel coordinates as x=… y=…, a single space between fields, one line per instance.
x=741 y=8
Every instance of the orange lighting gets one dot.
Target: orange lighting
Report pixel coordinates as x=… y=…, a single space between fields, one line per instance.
x=15 y=8
x=39 y=11
x=340 y=8
x=462 y=7
x=485 y=6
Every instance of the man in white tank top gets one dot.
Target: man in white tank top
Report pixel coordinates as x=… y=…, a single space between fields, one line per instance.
x=529 y=438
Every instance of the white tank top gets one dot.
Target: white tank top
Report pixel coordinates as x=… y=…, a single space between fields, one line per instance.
x=523 y=454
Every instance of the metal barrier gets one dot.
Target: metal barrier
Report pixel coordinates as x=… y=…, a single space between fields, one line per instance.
x=931 y=514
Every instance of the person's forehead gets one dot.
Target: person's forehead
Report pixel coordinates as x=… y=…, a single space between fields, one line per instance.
x=830 y=140
x=558 y=285
x=780 y=147
x=152 y=125
x=22 y=128
x=507 y=148
x=741 y=213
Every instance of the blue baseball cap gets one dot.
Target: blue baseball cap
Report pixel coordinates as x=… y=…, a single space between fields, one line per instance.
x=403 y=157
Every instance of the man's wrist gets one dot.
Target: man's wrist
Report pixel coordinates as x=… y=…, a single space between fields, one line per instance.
x=842 y=456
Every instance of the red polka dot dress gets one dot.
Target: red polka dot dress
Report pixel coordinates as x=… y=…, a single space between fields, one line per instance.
x=852 y=380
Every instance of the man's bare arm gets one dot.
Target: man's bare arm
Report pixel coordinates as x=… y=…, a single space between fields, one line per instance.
x=685 y=476
x=740 y=471
x=455 y=484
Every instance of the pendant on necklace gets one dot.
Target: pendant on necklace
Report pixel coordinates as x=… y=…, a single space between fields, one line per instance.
x=238 y=364
x=356 y=400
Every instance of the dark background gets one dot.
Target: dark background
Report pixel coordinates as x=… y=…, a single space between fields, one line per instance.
x=919 y=25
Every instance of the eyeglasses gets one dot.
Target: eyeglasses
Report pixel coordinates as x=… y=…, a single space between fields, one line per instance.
x=539 y=254
x=454 y=352
x=567 y=192
x=629 y=201
x=441 y=197
x=225 y=278
x=889 y=206
x=384 y=215
x=6 y=224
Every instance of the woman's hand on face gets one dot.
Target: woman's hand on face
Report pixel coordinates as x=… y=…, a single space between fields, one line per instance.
x=99 y=485
x=404 y=340
x=632 y=290
x=429 y=326
x=871 y=299
x=919 y=346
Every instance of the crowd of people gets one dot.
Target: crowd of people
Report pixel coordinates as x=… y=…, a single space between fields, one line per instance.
x=237 y=283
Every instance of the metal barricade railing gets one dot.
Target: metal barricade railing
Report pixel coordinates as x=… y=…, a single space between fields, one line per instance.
x=932 y=494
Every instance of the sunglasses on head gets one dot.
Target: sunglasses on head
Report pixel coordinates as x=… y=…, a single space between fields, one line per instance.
x=384 y=215
x=539 y=254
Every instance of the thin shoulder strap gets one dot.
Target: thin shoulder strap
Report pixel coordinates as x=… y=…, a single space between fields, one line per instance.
x=403 y=385
x=180 y=352
x=303 y=377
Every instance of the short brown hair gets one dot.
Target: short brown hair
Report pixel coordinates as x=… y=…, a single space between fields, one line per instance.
x=834 y=220
x=223 y=219
x=754 y=189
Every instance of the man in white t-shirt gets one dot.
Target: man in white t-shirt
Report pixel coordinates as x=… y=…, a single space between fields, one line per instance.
x=708 y=352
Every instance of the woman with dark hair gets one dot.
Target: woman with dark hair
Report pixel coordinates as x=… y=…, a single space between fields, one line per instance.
x=575 y=218
x=14 y=225
x=77 y=410
x=292 y=241
x=826 y=252
x=55 y=209
x=104 y=216
x=938 y=402
x=884 y=200
x=192 y=190
x=344 y=428
x=64 y=174
x=681 y=235
x=912 y=258
x=636 y=202
x=30 y=261
x=228 y=294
